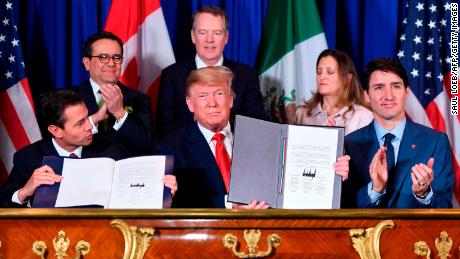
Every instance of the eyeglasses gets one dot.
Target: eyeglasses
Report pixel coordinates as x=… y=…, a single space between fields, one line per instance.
x=104 y=58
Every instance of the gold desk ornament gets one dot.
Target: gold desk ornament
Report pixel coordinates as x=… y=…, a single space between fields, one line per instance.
x=444 y=245
x=81 y=249
x=39 y=248
x=137 y=240
x=252 y=237
x=61 y=244
x=422 y=249
x=367 y=241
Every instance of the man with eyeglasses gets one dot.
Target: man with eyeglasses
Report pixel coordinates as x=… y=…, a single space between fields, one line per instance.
x=118 y=113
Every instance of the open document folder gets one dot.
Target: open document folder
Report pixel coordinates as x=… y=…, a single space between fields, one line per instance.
x=133 y=183
x=287 y=166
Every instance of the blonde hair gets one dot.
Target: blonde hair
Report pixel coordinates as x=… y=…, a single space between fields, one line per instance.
x=217 y=75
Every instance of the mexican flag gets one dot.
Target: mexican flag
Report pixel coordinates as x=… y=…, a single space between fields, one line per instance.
x=292 y=39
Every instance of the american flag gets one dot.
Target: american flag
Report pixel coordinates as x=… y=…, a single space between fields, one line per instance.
x=425 y=49
x=18 y=125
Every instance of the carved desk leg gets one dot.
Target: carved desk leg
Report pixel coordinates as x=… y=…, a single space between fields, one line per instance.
x=367 y=241
x=137 y=240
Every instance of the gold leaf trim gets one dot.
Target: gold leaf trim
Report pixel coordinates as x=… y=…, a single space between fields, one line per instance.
x=422 y=249
x=39 y=248
x=137 y=240
x=367 y=241
x=61 y=244
x=252 y=237
x=443 y=245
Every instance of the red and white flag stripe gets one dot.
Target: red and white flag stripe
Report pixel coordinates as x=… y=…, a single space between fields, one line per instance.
x=437 y=115
x=18 y=125
x=147 y=47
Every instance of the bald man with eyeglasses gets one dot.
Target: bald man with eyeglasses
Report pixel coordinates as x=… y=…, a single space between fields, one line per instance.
x=118 y=113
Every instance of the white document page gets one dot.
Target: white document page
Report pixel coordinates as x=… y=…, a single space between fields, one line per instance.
x=138 y=183
x=86 y=182
x=309 y=174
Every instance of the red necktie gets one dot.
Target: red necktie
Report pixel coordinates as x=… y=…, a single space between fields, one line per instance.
x=222 y=159
x=73 y=155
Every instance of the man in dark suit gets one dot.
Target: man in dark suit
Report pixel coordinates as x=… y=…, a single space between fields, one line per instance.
x=202 y=181
x=210 y=35
x=66 y=119
x=202 y=150
x=396 y=163
x=118 y=113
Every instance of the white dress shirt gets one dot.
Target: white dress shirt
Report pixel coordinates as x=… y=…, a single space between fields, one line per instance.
x=228 y=142
x=61 y=152
x=200 y=63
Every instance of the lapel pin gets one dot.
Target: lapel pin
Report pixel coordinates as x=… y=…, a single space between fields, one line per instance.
x=413 y=146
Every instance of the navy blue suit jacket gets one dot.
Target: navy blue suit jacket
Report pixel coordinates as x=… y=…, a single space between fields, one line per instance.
x=418 y=144
x=172 y=111
x=200 y=183
x=29 y=158
x=137 y=131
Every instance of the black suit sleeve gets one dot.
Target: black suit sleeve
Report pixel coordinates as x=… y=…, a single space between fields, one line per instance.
x=165 y=118
x=252 y=104
x=137 y=130
x=20 y=174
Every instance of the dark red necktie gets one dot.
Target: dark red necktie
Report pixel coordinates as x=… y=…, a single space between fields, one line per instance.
x=222 y=159
x=73 y=155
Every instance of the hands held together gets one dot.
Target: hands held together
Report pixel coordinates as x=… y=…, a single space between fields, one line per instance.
x=422 y=174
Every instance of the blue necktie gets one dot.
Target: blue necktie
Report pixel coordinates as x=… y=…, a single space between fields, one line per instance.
x=390 y=151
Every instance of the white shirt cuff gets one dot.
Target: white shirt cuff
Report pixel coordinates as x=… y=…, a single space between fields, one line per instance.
x=15 y=198
x=93 y=126
x=228 y=205
x=118 y=123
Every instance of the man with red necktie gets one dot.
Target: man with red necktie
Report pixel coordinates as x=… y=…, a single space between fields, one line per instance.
x=203 y=150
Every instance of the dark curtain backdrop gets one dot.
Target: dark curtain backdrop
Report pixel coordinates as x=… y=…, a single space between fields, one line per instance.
x=52 y=32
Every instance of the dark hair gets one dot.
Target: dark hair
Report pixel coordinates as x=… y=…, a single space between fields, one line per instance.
x=351 y=92
x=215 y=11
x=53 y=105
x=385 y=65
x=88 y=45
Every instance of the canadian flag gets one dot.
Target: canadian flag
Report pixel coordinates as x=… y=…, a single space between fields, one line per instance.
x=147 y=48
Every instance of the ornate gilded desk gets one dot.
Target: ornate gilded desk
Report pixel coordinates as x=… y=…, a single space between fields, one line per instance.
x=94 y=233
